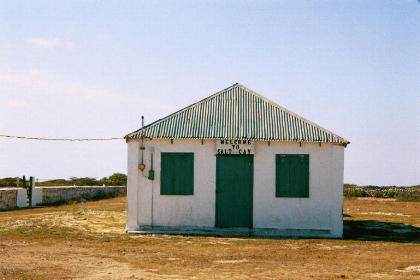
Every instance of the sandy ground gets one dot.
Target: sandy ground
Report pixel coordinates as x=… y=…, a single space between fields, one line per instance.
x=87 y=241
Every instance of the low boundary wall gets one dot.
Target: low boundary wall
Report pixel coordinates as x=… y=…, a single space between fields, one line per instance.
x=51 y=195
x=11 y=198
x=17 y=197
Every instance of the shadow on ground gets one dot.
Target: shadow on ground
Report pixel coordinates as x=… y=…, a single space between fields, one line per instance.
x=371 y=230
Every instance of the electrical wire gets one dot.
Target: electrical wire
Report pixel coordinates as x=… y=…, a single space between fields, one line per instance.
x=61 y=139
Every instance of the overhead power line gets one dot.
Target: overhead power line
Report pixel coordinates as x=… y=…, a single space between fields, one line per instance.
x=61 y=139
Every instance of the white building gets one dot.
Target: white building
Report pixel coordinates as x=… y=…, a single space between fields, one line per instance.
x=235 y=162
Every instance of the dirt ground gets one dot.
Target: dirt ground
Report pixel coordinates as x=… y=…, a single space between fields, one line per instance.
x=87 y=241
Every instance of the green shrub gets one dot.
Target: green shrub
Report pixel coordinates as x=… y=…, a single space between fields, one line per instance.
x=400 y=193
x=408 y=196
x=9 y=182
x=354 y=193
x=390 y=194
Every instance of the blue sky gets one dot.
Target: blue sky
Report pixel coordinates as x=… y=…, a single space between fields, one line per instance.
x=92 y=68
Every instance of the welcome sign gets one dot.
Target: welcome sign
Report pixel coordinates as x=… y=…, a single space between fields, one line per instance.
x=234 y=147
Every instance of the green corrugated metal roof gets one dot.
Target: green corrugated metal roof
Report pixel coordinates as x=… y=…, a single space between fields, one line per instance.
x=237 y=113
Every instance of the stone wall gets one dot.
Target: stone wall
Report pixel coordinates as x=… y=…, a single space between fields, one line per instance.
x=11 y=198
x=8 y=198
x=51 y=195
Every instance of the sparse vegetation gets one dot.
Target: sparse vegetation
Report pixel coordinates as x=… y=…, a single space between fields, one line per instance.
x=409 y=193
x=116 y=179
x=87 y=241
x=9 y=182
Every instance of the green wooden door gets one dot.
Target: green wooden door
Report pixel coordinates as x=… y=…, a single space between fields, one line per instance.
x=234 y=195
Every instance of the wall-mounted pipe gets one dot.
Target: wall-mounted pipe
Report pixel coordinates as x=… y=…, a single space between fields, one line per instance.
x=142 y=166
x=151 y=171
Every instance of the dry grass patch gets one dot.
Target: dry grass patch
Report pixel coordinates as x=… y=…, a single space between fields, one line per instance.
x=87 y=241
x=384 y=210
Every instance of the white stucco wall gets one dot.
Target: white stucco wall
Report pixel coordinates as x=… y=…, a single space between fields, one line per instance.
x=171 y=210
x=133 y=185
x=321 y=211
x=22 y=198
x=36 y=196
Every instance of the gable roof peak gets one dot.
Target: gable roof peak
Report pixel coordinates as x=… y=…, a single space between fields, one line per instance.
x=248 y=116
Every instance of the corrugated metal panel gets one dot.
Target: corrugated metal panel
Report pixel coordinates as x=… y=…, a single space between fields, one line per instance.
x=237 y=113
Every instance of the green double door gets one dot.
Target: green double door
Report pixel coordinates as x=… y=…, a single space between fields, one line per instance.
x=234 y=190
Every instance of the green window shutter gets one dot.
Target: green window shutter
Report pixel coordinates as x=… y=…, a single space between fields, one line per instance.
x=177 y=174
x=292 y=175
